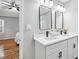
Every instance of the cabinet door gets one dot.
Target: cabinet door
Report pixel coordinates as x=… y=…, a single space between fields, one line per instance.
x=75 y=45
x=59 y=55
x=72 y=48
x=64 y=53
x=75 y=48
x=75 y=56
x=53 y=56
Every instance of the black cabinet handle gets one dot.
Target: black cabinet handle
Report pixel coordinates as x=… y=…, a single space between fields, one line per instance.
x=76 y=58
x=60 y=54
x=74 y=45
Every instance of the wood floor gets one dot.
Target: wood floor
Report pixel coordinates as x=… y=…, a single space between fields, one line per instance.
x=11 y=50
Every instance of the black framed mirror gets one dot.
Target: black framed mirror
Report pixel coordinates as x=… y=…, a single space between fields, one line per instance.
x=45 y=18
x=59 y=23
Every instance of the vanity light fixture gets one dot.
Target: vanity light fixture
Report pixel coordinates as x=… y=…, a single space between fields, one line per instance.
x=60 y=8
x=42 y=2
x=48 y=3
x=64 y=9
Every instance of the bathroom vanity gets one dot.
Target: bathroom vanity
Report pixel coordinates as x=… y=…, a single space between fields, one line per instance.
x=64 y=46
x=60 y=47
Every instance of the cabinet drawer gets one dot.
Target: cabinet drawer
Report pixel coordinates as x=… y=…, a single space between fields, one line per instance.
x=56 y=47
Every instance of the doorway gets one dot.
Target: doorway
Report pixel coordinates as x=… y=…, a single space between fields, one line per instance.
x=9 y=29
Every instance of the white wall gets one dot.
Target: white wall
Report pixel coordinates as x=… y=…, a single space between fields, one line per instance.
x=71 y=16
x=30 y=16
x=11 y=27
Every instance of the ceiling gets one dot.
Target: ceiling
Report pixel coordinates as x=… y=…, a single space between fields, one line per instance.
x=4 y=11
x=17 y=1
x=8 y=13
x=13 y=13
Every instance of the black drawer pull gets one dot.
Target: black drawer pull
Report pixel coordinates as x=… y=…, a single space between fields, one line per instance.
x=74 y=46
x=76 y=58
x=60 y=55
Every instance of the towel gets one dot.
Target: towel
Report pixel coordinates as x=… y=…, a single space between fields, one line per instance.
x=18 y=38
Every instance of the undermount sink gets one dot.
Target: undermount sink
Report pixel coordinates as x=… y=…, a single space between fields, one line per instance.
x=56 y=37
x=66 y=35
x=52 y=38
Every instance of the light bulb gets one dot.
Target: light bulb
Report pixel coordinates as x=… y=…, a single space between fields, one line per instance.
x=50 y=3
x=64 y=9
x=60 y=8
x=41 y=2
x=47 y=2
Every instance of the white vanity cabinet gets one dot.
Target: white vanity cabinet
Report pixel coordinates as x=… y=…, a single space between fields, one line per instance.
x=55 y=51
x=73 y=48
x=62 y=54
x=64 y=49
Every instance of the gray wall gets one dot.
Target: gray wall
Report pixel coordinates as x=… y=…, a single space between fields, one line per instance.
x=11 y=26
x=71 y=16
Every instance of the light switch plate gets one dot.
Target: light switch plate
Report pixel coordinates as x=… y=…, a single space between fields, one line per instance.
x=27 y=27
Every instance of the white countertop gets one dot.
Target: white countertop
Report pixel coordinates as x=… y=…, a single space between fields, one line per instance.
x=48 y=41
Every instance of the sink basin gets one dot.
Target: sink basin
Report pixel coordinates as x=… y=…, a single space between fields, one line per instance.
x=52 y=38
x=65 y=35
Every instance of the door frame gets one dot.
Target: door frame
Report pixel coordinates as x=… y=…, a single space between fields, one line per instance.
x=21 y=28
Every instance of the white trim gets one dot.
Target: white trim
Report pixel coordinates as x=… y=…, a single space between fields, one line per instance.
x=21 y=27
x=2 y=25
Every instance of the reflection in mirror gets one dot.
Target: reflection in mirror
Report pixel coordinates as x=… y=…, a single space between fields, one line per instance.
x=45 y=18
x=58 y=20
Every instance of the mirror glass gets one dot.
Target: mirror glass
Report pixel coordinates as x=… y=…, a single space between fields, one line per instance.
x=58 y=20
x=45 y=18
